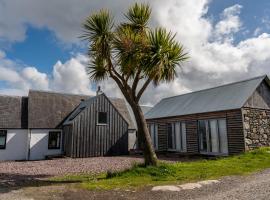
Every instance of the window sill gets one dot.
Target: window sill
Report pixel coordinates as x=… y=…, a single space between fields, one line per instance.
x=102 y=124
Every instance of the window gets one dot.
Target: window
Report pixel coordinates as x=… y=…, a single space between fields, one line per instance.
x=177 y=136
x=3 y=139
x=213 y=136
x=54 y=140
x=102 y=118
x=153 y=129
x=75 y=114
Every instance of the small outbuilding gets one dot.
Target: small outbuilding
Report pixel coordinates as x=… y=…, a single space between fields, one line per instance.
x=224 y=120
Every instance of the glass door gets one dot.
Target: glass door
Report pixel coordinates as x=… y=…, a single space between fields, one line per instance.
x=202 y=124
x=213 y=136
x=177 y=136
x=153 y=129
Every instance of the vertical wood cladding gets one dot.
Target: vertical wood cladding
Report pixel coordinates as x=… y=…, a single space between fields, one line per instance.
x=87 y=138
x=234 y=130
x=235 y=133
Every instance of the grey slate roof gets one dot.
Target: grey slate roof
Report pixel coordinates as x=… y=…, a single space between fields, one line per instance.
x=49 y=109
x=122 y=107
x=225 y=97
x=118 y=103
x=13 y=112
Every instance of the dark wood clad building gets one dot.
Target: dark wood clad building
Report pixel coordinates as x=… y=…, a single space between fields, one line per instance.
x=97 y=128
x=224 y=120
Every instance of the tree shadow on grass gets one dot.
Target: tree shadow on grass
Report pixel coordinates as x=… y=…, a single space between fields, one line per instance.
x=10 y=182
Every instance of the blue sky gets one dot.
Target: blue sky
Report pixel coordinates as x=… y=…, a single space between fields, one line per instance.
x=40 y=45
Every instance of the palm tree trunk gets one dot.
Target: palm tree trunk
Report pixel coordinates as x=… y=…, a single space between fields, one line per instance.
x=143 y=133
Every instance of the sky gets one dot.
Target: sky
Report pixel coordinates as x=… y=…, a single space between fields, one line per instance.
x=227 y=40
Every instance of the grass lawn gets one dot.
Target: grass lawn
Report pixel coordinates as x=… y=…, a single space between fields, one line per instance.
x=176 y=173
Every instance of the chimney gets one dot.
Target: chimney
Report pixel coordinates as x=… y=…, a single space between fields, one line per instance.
x=99 y=91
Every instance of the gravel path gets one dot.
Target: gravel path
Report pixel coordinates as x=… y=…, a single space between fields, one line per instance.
x=35 y=172
x=67 y=166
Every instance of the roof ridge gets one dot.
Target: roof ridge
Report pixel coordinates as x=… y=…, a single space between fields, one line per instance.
x=6 y=95
x=64 y=93
x=55 y=92
x=227 y=84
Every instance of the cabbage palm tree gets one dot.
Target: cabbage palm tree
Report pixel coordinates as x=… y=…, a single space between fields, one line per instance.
x=133 y=55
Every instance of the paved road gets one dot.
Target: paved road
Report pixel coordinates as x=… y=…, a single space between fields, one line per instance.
x=256 y=186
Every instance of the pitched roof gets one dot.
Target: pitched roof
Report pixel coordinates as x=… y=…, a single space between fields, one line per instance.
x=118 y=103
x=224 y=97
x=122 y=107
x=13 y=110
x=49 y=109
x=145 y=109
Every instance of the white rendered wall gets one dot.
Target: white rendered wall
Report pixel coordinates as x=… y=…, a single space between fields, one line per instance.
x=16 y=145
x=132 y=139
x=39 y=144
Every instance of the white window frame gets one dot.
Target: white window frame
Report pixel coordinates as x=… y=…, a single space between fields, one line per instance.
x=60 y=139
x=5 y=134
x=102 y=124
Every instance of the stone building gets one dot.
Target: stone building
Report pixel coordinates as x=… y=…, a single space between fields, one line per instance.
x=224 y=120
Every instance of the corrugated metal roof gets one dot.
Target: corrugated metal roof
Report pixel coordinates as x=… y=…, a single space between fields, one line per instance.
x=225 y=97
x=145 y=109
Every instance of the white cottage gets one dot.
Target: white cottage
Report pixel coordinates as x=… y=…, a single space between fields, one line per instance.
x=31 y=127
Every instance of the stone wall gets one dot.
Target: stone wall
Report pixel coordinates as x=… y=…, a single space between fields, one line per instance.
x=256 y=127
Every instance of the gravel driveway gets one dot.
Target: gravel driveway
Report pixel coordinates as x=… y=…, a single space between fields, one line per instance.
x=68 y=166
x=20 y=173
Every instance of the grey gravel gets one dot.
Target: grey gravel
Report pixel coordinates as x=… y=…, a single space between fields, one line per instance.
x=64 y=166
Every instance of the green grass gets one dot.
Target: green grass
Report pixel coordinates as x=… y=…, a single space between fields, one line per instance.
x=180 y=172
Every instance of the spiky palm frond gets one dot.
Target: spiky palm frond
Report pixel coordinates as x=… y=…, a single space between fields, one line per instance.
x=97 y=69
x=130 y=48
x=164 y=56
x=98 y=31
x=138 y=16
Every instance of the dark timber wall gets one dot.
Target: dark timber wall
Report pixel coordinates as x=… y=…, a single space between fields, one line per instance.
x=85 y=138
x=234 y=130
x=260 y=98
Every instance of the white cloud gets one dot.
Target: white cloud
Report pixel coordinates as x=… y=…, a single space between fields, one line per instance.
x=71 y=76
x=257 y=31
x=229 y=24
x=63 y=17
x=35 y=78
x=214 y=56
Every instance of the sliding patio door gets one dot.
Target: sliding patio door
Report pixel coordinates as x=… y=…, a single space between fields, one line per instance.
x=177 y=136
x=213 y=136
x=153 y=129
